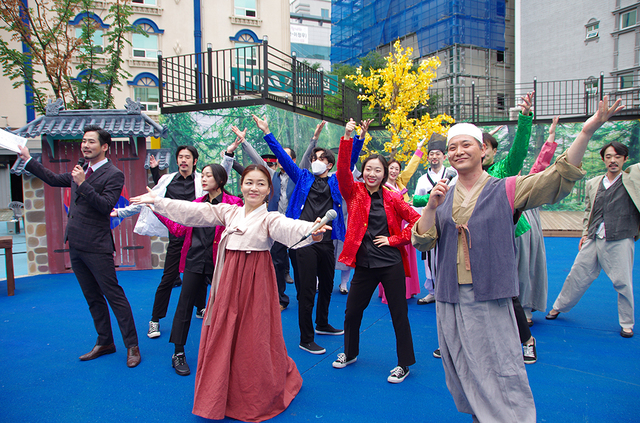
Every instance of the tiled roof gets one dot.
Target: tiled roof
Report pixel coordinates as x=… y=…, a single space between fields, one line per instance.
x=60 y=123
x=18 y=166
x=162 y=155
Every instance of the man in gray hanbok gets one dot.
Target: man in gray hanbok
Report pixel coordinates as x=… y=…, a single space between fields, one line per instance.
x=477 y=331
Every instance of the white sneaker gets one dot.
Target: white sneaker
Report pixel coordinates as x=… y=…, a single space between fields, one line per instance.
x=427 y=300
x=342 y=361
x=397 y=375
x=154 y=330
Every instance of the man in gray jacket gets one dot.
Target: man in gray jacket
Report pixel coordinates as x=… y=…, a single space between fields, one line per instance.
x=610 y=229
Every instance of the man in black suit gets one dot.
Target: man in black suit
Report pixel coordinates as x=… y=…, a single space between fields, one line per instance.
x=94 y=192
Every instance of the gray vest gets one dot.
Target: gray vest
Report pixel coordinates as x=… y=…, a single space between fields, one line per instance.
x=492 y=247
x=615 y=207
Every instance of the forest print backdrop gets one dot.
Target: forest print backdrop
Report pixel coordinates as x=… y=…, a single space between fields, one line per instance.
x=210 y=132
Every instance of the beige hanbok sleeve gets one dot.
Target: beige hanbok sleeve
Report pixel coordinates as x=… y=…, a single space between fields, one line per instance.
x=426 y=241
x=547 y=187
x=288 y=231
x=196 y=215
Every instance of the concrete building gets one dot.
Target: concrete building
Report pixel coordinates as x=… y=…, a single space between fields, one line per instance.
x=311 y=31
x=174 y=27
x=474 y=40
x=577 y=41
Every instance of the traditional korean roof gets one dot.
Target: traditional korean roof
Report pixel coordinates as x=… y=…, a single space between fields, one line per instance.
x=58 y=123
x=162 y=155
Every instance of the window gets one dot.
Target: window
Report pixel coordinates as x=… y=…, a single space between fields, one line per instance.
x=97 y=40
x=628 y=19
x=145 y=90
x=500 y=101
x=145 y=47
x=500 y=56
x=245 y=8
x=626 y=81
x=592 y=30
x=147 y=2
x=324 y=13
x=591 y=86
x=246 y=55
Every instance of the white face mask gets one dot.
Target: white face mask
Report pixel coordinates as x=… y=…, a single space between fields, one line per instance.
x=318 y=167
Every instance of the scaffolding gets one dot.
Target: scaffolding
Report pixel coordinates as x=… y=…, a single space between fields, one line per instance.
x=360 y=26
x=474 y=40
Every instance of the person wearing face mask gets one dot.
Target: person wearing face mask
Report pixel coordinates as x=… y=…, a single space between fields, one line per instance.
x=314 y=194
x=244 y=371
x=196 y=260
x=373 y=245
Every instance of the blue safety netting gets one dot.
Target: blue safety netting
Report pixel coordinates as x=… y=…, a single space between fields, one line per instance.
x=360 y=26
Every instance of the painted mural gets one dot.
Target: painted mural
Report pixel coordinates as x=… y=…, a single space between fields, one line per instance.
x=210 y=132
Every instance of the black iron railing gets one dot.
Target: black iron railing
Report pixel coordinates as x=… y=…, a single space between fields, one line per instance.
x=261 y=74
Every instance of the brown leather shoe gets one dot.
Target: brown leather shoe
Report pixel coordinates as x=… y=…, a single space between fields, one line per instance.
x=133 y=356
x=97 y=351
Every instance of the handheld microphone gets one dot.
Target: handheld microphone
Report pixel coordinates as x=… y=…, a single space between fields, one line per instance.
x=449 y=178
x=328 y=217
x=81 y=162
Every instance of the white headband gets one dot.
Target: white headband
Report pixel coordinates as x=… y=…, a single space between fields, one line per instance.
x=464 y=129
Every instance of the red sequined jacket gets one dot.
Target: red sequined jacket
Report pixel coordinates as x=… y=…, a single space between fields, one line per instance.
x=359 y=203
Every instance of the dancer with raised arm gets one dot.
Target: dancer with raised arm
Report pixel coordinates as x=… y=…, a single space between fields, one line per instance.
x=374 y=246
x=243 y=370
x=473 y=226
x=196 y=261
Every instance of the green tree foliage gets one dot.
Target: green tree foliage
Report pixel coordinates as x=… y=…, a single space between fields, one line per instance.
x=46 y=68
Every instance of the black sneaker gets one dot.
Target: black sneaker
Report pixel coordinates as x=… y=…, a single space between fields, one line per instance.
x=179 y=363
x=437 y=354
x=329 y=330
x=529 y=353
x=200 y=313
x=342 y=361
x=312 y=347
x=398 y=374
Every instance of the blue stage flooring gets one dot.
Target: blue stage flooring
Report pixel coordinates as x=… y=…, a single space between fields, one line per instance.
x=585 y=371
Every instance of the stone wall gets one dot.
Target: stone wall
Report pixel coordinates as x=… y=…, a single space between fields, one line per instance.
x=35 y=225
x=36 y=232
x=158 y=250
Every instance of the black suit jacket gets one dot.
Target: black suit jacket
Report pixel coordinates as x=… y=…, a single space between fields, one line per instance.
x=88 y=228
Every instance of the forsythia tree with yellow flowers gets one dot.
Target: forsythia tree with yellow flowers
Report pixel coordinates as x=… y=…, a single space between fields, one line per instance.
x=398 y=90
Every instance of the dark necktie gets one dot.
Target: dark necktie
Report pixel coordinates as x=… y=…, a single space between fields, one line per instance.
x=89 y=173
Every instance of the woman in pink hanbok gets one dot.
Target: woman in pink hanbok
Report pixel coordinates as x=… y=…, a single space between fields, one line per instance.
x=243 y=370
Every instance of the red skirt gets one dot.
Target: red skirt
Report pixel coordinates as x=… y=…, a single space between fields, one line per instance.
x=244 y=371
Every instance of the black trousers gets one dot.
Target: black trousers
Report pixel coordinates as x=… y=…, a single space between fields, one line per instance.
x=96 y=274
x=309 y=263
x=363 y=284
x=171 y=272
x=280 y=261
x=521 y=320
x=194 y=286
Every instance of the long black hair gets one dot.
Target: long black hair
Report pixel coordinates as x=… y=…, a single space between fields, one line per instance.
x=385 y=166
x=219 y=174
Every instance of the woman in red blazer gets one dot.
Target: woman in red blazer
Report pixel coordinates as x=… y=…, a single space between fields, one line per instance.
x=372 y=245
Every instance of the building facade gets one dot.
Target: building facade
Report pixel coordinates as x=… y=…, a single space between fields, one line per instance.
x=174 y=27
x=474 y=40
x=311 y=31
